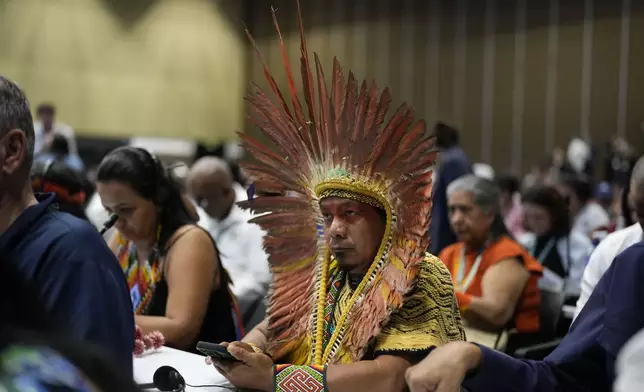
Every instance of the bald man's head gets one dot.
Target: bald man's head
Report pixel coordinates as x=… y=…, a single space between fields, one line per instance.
x=210 y=183
x=637 y=176
x=212 y=166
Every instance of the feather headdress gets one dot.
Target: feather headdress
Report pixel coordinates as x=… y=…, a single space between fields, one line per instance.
x=335 y=141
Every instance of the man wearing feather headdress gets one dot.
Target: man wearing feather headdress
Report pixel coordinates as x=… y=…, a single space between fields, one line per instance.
x=354 y=308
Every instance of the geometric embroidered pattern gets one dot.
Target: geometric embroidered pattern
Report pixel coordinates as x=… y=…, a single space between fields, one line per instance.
x=293 y=378
x=337 y=282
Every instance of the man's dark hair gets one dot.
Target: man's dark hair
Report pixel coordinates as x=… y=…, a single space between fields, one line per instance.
x=15 y=114
x=46 y=108
x=446 y=136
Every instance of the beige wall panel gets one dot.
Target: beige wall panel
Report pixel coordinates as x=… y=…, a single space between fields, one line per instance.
x=433 y=54
x=123 y=68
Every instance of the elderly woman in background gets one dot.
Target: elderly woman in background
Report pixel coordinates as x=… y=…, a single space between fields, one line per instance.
x=561 y=251
x=494 y=276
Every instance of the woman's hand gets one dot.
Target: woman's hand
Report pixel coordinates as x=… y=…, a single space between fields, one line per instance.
x=253 y=371
x=444 y=368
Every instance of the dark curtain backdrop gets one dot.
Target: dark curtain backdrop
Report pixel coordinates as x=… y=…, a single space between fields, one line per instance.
x=517 y=77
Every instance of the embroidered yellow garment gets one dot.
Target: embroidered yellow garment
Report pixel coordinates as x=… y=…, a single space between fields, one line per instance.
x=428 y=318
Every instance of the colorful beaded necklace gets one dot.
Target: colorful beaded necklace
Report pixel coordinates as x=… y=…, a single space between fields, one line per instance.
x=142 y=277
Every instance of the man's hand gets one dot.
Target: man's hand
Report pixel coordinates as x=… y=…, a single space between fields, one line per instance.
x=444 y=368
x=253 y=371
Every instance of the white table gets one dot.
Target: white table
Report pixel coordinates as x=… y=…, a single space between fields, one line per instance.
x=191 y=366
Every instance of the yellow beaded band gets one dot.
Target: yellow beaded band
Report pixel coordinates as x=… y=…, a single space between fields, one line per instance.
x=340 y=183
x=351 y=195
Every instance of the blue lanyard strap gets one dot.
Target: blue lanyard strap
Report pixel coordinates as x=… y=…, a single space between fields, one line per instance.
x=544 y=252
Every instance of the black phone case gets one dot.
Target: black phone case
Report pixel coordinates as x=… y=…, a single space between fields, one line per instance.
x=216 y=351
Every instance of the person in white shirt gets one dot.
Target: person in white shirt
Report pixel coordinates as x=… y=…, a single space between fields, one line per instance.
x=587 y=215
x=210 y=184
x=615 y=243
x=46 y=126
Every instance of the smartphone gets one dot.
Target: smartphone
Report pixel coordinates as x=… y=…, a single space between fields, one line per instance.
x=216 y=351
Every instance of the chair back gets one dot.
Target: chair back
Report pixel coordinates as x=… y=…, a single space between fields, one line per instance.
x=551 y=304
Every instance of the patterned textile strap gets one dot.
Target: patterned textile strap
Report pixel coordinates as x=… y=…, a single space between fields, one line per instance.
x=294 y=378
x=337 y=281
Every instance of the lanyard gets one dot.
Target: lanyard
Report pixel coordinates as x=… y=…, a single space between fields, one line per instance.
x=462 y=282
x=544 y=252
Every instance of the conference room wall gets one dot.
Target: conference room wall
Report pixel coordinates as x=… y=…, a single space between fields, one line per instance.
x=517 y=77
x=122 y=68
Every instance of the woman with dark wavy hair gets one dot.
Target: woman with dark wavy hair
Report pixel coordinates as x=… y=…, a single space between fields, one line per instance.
x=177 y=283
x=551 y=240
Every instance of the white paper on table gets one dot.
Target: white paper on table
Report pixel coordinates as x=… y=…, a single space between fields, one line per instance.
x=191 y=366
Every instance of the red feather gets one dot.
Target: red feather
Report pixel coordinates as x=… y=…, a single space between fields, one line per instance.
x=297 y=106
x=339 y=96
x=361 y=110
x=325 y=112
x=307 y=82
x=373 y=109
x=380 y=113
x=267 y=74
x=348 y=115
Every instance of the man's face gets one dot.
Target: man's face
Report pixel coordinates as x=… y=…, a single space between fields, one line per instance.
x=210 y=194
x=353 y=232
x=469 y=222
